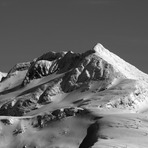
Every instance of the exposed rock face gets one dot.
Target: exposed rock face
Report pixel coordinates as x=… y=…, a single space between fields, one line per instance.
x=39 y=69
x=52 y=90
x=43 y=119
x=90 y=68
x=79 y=68
x=51 y=56
x=20 y=67
x=43 y=66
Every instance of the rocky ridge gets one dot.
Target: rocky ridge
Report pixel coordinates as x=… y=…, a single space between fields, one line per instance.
x=66 y=85
x=78 y=70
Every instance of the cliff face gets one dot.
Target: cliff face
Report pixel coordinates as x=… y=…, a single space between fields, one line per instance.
x=56 y=86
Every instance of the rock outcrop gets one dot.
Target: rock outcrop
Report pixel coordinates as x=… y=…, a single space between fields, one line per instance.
x=43 y=119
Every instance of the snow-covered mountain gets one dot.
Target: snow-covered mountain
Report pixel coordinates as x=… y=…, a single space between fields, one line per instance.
x=71 y=100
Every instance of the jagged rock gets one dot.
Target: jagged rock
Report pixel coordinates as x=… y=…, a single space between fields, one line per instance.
x=38 y=70
x=95 y=69
x=52 y=90
x=18 y=108
x=44 y=99
x=20 y=67
x=5 y=121
x=87 y=66
x=56 y=62
x=70 y=111
x=68 y=62
x=21 y=107
x=6 y=107
x=43 y=66
x=59 y=113
x=43 y=119
x=17 y=131
x=51 y=56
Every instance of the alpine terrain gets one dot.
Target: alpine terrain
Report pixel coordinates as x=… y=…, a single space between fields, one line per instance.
x=74 y=100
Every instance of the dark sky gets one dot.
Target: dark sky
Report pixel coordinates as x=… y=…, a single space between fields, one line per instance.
x=29 y=28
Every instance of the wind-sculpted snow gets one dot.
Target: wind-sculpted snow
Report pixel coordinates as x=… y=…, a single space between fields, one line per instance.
x=74 y=100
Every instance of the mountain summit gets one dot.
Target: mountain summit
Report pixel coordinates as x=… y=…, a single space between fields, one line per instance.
x=77 y=100
x=119 y=64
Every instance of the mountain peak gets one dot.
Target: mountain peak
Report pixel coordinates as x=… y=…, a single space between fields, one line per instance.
x=99 y=48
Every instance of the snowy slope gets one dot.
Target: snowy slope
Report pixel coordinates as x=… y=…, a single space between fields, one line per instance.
x=128 y=70
x=2 y=74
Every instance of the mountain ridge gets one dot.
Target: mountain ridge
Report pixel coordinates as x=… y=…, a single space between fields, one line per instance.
x=68 y=90
x=114 y=59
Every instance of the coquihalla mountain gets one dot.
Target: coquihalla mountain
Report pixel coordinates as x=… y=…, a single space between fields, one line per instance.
x=74 y=100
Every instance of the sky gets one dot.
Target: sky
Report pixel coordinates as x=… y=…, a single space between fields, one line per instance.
x=29 y=28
